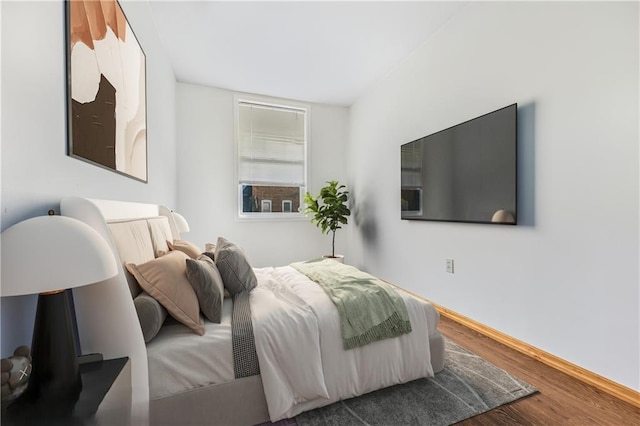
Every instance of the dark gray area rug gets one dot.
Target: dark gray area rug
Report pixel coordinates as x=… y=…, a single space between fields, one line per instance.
x=468 y=385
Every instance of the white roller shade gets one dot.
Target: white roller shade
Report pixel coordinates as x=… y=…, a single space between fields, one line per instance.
x=411 y=165
x=271 y=145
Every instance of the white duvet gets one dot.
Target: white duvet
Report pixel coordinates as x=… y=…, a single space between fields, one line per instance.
x=302 y=361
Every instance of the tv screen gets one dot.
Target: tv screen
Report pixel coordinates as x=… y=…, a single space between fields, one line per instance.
x=466 y=173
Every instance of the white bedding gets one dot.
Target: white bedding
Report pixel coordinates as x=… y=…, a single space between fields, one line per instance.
x=297 y=331
x=303 y=363
x=180 y=360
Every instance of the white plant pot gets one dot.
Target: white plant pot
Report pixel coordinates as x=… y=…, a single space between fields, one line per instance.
x=337 y=257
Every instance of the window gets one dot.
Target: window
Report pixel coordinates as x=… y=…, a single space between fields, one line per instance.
x=271 y=143
x=411 y=177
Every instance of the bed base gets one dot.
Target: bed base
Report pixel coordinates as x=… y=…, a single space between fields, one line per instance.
x=239 y=402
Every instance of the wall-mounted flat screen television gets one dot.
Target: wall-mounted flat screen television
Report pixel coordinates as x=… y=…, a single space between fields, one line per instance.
x=466 y=173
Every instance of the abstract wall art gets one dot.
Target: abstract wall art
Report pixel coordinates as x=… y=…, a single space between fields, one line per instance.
x=106 y=88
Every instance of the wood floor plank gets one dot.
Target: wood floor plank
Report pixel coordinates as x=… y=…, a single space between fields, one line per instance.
x=562 y=400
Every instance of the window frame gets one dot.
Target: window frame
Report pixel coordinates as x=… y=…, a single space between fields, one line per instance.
x=264 y=204
x=277 y=103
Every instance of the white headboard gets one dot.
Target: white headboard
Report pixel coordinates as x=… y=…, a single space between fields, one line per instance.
x=105 y=313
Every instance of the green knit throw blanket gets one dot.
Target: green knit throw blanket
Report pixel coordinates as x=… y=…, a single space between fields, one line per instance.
x=369 y=309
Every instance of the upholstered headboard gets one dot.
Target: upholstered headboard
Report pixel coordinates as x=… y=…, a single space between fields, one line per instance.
x=105 y=312
x=138 y=241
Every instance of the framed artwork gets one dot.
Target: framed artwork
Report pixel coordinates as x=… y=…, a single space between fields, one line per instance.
x=106 y=88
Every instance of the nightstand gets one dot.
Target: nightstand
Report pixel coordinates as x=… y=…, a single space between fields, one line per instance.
x=105 y=400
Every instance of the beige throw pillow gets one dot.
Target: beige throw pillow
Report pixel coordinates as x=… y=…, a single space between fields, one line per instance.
x=165 y=279
x=186 y=247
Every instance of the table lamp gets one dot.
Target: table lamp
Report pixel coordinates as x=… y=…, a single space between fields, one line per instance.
x=47 y=255
x=181 y=222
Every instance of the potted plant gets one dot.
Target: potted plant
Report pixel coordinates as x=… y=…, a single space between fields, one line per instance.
x=329 y=210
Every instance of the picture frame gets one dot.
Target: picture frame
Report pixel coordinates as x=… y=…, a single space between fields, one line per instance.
x=106 y=88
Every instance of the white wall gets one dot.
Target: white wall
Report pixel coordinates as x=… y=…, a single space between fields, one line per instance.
x=207 y=191
x=36 y=172
x=566 y=278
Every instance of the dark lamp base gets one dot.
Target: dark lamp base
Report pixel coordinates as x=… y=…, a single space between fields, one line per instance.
x=55 y=374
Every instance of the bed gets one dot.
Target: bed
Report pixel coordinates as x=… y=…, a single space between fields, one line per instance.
x=187 y=376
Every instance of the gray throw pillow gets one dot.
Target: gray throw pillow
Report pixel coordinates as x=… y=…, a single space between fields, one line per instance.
x=209 y=254
x=207 y=283
x=151 y=315
x=236 y=272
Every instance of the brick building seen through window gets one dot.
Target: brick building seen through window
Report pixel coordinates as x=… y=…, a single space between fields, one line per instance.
x=283 y=199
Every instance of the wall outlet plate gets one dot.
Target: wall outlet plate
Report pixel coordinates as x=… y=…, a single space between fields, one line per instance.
x=449 y=268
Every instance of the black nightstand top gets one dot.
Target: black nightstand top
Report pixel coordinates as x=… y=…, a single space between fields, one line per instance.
x=97 y=378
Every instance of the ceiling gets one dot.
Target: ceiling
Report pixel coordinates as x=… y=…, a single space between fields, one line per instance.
x=325 y=52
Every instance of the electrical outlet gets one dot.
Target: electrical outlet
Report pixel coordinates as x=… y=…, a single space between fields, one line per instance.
x=450 y=266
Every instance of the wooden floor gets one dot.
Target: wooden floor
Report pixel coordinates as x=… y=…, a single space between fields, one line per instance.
x=562 y=400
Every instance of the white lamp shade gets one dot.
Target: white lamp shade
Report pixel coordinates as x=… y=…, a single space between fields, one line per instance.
x=181 y=222
x=49 y=253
